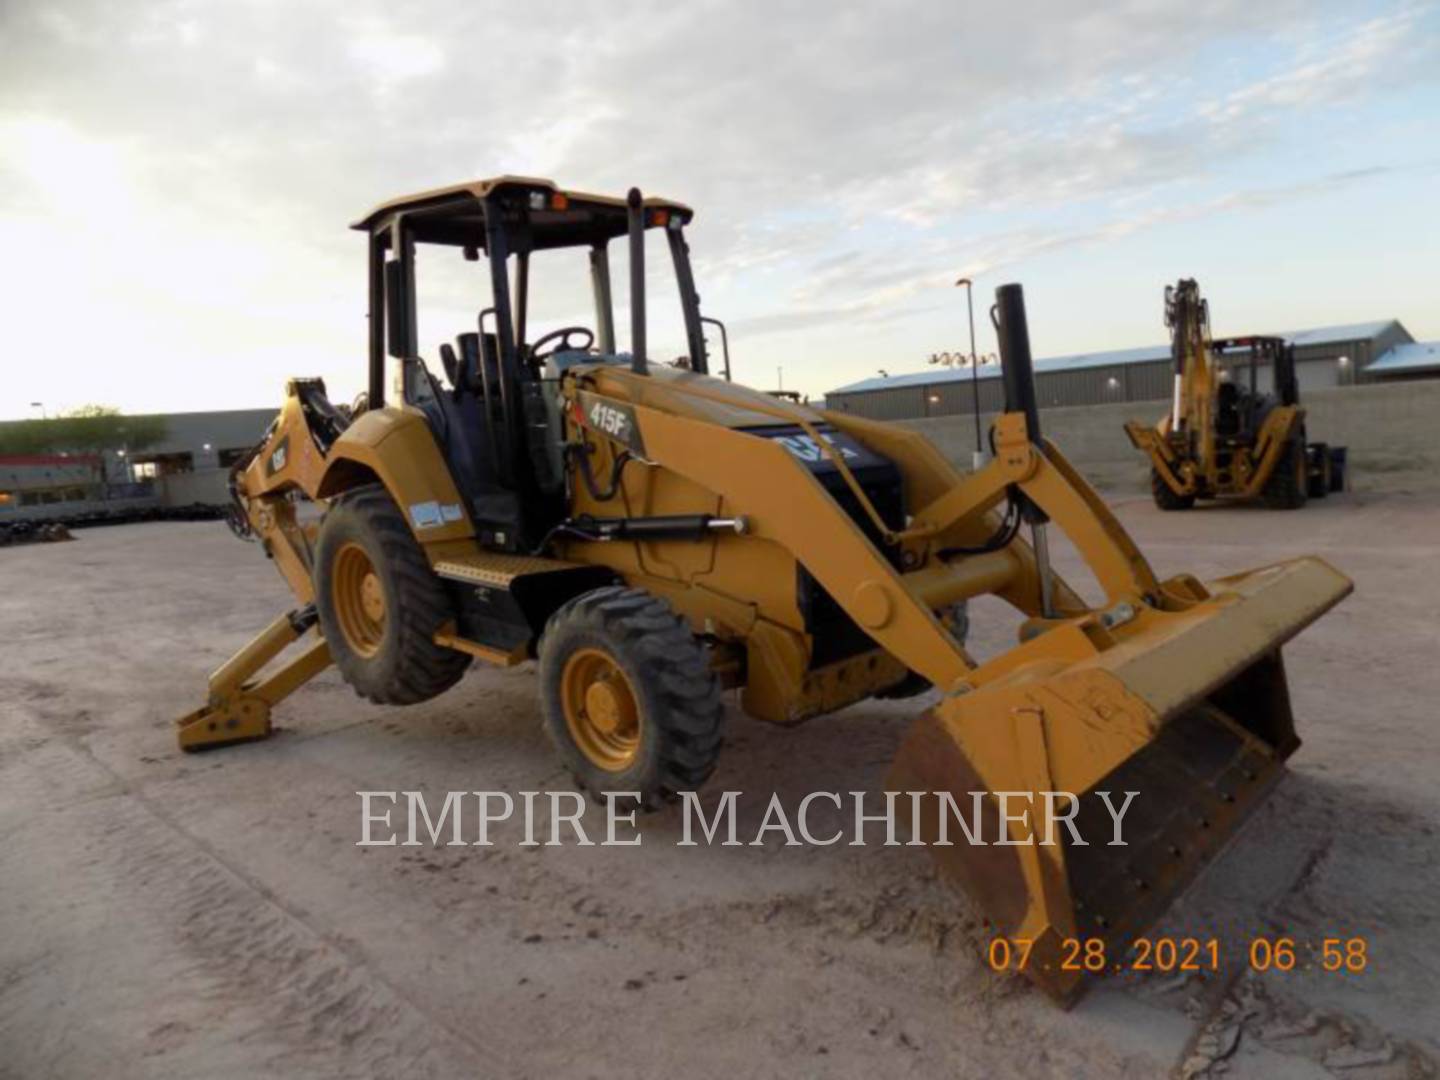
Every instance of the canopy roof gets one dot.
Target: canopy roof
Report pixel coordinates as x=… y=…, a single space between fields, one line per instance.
x=555 y=218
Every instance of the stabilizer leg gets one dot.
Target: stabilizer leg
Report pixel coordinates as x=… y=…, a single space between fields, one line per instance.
x=239 y=708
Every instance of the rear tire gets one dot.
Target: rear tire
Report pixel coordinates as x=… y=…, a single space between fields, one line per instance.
x=628 y=696
x=1165 y=496
x=380 y=604
x=1285 y=490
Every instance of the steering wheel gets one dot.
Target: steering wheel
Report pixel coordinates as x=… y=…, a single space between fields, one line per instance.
x=562 y=338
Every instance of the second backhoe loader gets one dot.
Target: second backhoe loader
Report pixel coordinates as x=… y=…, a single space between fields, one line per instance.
x=653 y=534
x=1224 y=437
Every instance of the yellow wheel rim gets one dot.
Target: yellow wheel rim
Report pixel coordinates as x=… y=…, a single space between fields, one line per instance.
x=601 y=712
x=359 y=600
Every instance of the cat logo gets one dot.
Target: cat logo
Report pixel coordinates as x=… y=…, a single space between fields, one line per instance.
x=807 y=449
x=277 y=457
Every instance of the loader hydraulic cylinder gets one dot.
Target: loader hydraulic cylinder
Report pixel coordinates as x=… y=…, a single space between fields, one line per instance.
x=661 y=527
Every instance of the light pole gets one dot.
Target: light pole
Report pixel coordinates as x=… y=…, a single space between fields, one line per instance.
x=41 y=406
x=981 y=457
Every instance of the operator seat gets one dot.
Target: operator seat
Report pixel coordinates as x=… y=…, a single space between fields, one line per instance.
x=465 y=434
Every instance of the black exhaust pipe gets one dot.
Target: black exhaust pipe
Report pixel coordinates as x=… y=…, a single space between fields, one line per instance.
x=638 y=363
x=1017 y=368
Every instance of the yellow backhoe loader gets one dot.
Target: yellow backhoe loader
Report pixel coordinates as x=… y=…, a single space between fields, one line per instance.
x=1224 y=437
x=653 y=534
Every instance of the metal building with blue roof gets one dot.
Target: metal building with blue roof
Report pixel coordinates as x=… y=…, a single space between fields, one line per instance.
x=1325 y=356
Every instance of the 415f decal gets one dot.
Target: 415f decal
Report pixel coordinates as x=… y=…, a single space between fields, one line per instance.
x=612 y=418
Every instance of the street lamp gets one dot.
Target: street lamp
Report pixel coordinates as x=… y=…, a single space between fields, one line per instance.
x=41 y=406
x=978 y=461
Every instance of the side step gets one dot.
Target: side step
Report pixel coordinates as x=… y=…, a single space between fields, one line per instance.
x=508 y=598
x=497 y=569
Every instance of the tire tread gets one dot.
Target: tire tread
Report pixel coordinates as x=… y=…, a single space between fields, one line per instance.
x=423 y=669
x=672 y=666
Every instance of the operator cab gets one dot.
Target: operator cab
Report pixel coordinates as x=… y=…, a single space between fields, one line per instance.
x=496 y=413
x=1241 y=405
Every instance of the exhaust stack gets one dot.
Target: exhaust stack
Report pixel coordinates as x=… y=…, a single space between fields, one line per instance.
x=1017 y=371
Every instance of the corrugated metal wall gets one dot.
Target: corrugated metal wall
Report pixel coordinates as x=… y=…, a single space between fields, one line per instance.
x=1317 y=368
x=1151 y=382
x=1087 y=386
x=1083 y=386
x=956 y=398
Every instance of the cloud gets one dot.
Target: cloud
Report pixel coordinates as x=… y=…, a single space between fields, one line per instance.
x=1335 y=67
x=391 y=56
x=199 y=162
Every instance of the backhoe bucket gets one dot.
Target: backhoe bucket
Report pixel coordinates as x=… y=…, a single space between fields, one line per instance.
x=1187 y=708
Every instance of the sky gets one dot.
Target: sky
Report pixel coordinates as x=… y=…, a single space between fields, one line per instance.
x=177 y=178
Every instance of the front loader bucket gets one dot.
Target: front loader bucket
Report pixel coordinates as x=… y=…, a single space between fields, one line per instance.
x=1187 y=709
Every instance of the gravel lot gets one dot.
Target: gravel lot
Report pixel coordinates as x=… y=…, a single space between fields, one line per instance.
x=164 y=915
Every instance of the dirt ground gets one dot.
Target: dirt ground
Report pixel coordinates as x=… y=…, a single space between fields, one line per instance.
x=164 y=915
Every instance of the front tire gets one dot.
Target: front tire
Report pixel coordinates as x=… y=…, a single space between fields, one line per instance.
x=380 y=604
x=628 y=696
x=1286 y=488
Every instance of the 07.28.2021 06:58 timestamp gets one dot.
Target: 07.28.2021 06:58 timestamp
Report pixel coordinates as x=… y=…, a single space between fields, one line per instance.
x=1340 y=955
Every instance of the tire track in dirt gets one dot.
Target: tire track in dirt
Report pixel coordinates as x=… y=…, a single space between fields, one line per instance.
x=319 y=1006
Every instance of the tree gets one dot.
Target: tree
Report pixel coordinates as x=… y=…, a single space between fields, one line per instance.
x=86 y=430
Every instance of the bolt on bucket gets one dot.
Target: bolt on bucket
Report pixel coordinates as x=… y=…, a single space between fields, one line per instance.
x=1186 y=709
